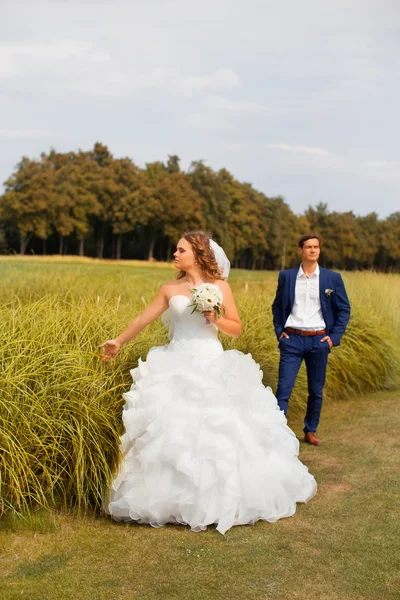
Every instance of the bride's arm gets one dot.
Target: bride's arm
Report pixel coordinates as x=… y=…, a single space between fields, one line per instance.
x=229 y=323
x=150 y=314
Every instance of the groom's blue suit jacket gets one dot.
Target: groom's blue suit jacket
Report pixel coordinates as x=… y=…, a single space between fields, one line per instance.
x=335 y=306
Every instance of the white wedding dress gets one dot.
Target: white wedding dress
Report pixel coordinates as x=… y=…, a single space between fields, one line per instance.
x=205 y=441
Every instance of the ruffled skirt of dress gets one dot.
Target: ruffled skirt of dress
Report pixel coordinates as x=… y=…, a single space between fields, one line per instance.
x=205 y=443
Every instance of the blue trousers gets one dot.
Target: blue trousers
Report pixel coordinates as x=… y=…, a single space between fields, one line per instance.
x=315 y=353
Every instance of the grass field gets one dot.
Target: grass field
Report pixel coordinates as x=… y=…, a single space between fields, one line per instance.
x=60 y=418
x=342 y=545
x=60 y=407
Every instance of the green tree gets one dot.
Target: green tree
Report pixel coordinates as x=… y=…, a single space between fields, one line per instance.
x=173 y=164
x=183 y=207
x=367 y=233
x=154 y=212
x=73 y=204
x=217 y=204
x=130 y=194
x=172 y=207
x=283 y=233
x=101 y=183
x=388 y=256
x=26 y=201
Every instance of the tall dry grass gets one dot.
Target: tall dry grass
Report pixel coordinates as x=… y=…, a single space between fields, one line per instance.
x=60 y=406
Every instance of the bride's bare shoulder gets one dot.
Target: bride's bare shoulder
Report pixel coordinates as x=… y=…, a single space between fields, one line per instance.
x=224 y=287
x=222 y=284
x=169 y=288
x=173 y=283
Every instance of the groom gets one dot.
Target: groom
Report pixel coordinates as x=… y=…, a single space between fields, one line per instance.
x=310 y=313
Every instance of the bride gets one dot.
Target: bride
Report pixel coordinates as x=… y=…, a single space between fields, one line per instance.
x=205 y=442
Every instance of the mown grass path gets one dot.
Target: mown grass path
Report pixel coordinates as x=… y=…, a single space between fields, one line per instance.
x=342 y=545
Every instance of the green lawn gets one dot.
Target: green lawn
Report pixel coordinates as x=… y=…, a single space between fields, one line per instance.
x=343 y=545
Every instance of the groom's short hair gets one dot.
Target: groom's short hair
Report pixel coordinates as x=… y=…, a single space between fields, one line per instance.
x=309 y=236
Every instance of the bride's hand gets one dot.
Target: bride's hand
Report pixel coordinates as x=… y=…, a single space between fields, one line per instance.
x=111 y=349
x=210 y=315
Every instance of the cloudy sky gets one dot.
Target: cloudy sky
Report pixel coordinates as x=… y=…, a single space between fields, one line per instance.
x=299 y=97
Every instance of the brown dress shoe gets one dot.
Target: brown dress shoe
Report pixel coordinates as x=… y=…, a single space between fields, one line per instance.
x=311 y=438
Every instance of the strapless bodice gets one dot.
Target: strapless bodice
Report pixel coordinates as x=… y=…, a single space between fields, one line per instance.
x=189 y=332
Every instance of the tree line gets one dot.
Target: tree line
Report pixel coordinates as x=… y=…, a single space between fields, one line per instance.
x=90 y=203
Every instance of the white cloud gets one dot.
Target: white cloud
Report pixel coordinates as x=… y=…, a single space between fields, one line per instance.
x=383 y=164
x=20 y=59
x=208 y=121
x=220 y=79
x=28 y=133
x=316 y=80
x=315 y=151
x=56 y=66
x=219 y=112
x=383 y=169
x=84 y=68
x=223 y=104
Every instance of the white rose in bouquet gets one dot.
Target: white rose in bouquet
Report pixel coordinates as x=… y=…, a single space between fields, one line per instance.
x=206 y=297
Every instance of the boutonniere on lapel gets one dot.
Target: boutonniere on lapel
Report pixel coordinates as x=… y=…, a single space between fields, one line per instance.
x=328 y=292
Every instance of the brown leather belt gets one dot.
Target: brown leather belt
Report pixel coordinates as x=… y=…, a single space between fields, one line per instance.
x=301 y=332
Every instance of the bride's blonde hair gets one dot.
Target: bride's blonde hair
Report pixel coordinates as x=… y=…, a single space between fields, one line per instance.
x=204 y=255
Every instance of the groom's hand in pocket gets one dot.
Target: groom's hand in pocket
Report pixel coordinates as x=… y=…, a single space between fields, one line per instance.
x=284 y=334
x=327 y=339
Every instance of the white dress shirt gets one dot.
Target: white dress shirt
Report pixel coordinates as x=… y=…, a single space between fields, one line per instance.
x=306 y=310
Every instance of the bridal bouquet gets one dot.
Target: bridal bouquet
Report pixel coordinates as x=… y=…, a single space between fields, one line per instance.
x=205 y=297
